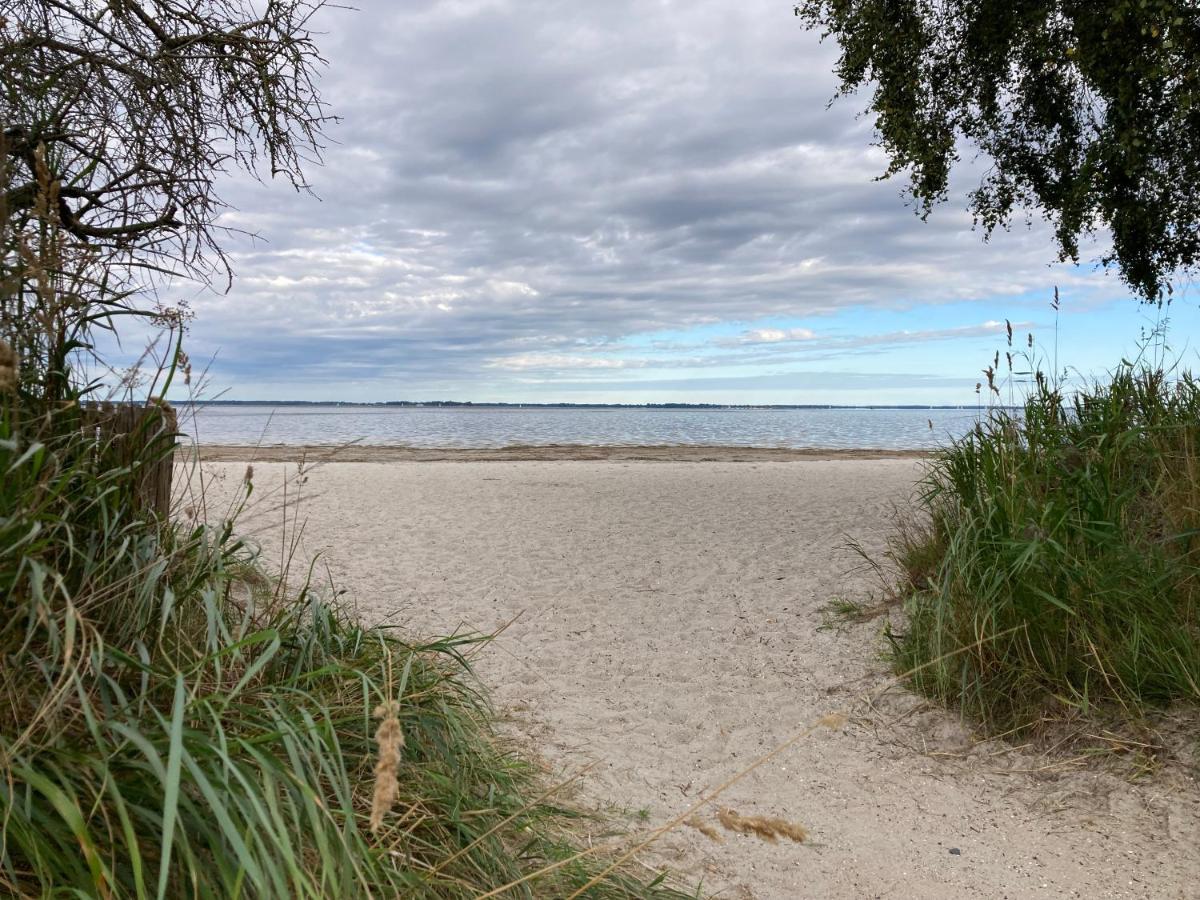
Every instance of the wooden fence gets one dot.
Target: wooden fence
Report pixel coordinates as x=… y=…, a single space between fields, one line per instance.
x=140 y=438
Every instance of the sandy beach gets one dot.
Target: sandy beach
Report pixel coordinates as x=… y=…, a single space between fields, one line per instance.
x=665 y=622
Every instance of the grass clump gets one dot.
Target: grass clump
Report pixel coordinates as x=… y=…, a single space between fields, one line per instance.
x=1059 y=564
x=173 y=725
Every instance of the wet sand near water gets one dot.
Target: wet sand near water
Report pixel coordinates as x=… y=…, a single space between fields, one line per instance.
x=539 y=453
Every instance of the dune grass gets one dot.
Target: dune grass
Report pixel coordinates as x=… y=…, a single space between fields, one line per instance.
x=173 y=723
x=1055 y=569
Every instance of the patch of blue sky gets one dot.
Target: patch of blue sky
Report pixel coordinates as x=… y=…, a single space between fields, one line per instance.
x=1092 y=336
x=927 y=353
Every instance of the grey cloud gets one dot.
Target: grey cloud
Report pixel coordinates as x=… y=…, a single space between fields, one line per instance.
x=538 y=176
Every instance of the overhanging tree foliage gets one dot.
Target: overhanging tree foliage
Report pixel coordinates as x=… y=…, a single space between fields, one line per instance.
x=1089 y=111
x=139 y=105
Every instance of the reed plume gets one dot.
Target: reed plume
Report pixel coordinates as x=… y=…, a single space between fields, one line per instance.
x=769 y=828
x=704 y=828
x=390 y=738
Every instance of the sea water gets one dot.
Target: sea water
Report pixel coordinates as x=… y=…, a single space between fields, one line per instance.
x=267 y=424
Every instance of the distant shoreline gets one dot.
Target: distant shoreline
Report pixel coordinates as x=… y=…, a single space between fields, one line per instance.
x=670 y=407
x=541 y=453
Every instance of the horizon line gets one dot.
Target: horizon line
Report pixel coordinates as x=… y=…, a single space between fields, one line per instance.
x=452 y=404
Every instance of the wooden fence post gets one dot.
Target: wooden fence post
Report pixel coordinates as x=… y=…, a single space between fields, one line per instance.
x=140 y=439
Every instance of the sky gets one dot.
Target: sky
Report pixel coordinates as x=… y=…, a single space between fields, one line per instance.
x=630 y=201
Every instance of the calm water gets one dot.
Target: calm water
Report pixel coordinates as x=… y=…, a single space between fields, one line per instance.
x=433 y=427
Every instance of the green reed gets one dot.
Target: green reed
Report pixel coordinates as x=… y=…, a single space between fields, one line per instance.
x=1056 y=566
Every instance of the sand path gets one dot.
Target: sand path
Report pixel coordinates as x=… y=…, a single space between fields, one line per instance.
x=669 y=631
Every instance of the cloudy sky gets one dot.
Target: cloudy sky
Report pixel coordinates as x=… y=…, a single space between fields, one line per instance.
x=626 y=201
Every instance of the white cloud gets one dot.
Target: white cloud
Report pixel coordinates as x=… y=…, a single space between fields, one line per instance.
x=774 y=335
x=522 y=361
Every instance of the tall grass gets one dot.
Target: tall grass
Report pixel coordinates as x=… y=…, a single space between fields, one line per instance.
x=1057 y=566
x=173 y=725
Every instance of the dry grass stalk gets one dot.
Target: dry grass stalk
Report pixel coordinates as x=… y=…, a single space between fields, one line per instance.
x=8 y=366
x=834 y=721
x=768 y=828
x=767 y=757
x=704 y=828
x=690 y=812
x=390 y=738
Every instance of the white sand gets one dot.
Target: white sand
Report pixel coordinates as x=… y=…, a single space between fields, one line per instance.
x=667 y=618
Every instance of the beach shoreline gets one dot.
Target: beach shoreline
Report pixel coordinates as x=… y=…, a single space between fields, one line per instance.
x=376 y=453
